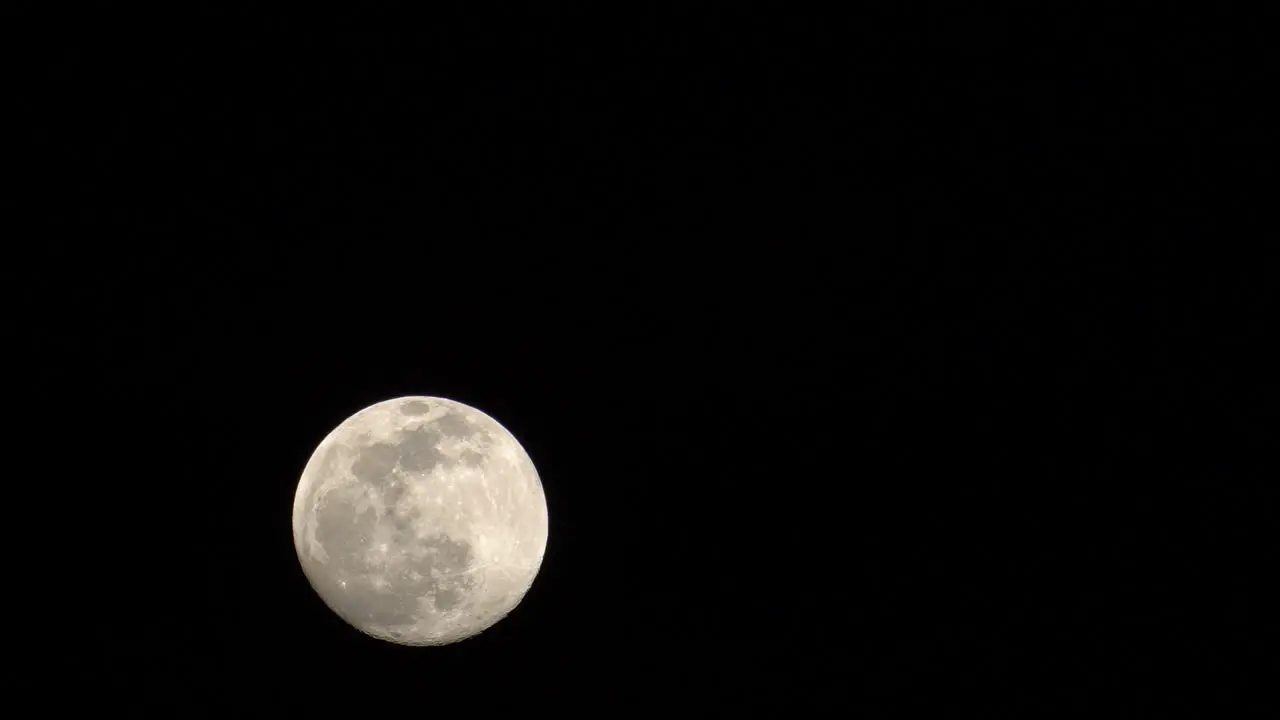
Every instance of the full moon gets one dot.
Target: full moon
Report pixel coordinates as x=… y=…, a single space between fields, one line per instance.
x=420 y=521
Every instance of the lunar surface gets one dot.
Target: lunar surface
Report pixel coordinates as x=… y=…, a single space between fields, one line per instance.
x=420 y=521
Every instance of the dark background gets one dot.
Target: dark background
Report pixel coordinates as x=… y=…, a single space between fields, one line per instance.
x=887 y=362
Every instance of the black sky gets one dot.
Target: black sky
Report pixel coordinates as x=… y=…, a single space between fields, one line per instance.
x=875 y=364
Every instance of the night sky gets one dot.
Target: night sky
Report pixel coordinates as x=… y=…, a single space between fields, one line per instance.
x=873 y=365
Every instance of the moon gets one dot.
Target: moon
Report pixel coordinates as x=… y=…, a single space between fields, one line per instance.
x=420 y=521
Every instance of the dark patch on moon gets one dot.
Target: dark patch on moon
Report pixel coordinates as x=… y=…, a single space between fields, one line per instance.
x=386 y=607
x=417 y=449
x=446 y=599
x=403 y=533
x=450 y=558
x=415 y=407
x=393 y=491
x=454 y=425
x=345 y=536
x=343 y=533
x=471 y=458
x=375 y=463
x=447 y=554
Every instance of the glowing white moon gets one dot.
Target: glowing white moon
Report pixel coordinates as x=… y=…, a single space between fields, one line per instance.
x=420 y=521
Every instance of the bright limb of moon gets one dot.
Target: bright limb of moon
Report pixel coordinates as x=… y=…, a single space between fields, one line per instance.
x=420 y=520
